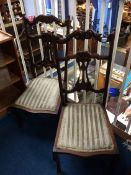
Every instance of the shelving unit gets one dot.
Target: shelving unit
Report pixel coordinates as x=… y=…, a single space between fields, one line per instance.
x=5 y=11
x=7 y=18
x=7 y=60
x=11 y=82
x=81 y=13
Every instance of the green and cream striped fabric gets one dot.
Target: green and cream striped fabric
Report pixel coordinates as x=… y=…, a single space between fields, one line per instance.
x=42 y=95
x=84 y=128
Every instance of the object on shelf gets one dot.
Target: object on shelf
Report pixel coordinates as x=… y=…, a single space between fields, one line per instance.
x=5 y=10
x=7 y=17
x=117 y=75
x=113 y=92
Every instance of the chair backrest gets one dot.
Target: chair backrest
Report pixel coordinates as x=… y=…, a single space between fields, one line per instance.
x=83 y=60
x=47 y=48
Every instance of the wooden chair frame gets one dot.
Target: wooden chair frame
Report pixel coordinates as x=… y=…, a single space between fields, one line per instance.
x=49 y=42
x=83 y=59
x=48 y=60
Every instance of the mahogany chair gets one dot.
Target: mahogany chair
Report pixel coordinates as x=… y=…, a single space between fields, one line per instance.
x=84 y=128
x=46 y=25
x=42 y=94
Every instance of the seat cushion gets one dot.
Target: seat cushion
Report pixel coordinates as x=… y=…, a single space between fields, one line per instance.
x=41 y=96
x=84 y=128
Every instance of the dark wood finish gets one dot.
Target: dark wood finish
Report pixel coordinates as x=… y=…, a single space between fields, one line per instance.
x=56 y=159
x=129 y=173
x=35 y=50
x=50 y=49
x=81 y=1
x=7 y=60
x=47 y=41
x=4 y=37
x=5 y=10
x=11 y=81
x=121 y=133
x=47 y=20
x=6 y=17
x=83 y=59
x=5 y=1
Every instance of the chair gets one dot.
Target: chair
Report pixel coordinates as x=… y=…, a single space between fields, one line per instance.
x=42 y=94
x=84 y=129
x=46 y=24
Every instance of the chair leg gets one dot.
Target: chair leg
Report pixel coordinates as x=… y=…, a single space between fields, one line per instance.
x=114 y=163
x=58 y=166
x=18 y=117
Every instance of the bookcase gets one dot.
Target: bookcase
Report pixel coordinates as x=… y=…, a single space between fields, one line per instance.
x=11 y=81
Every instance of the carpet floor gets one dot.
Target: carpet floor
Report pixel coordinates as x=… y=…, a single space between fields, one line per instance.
x=28 y=151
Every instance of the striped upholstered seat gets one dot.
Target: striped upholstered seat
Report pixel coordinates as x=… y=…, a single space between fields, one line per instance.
x=41 y=96
x=84 y=128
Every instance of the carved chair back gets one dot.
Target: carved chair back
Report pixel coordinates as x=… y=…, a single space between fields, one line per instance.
x=47 y=42
x=83 y=60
